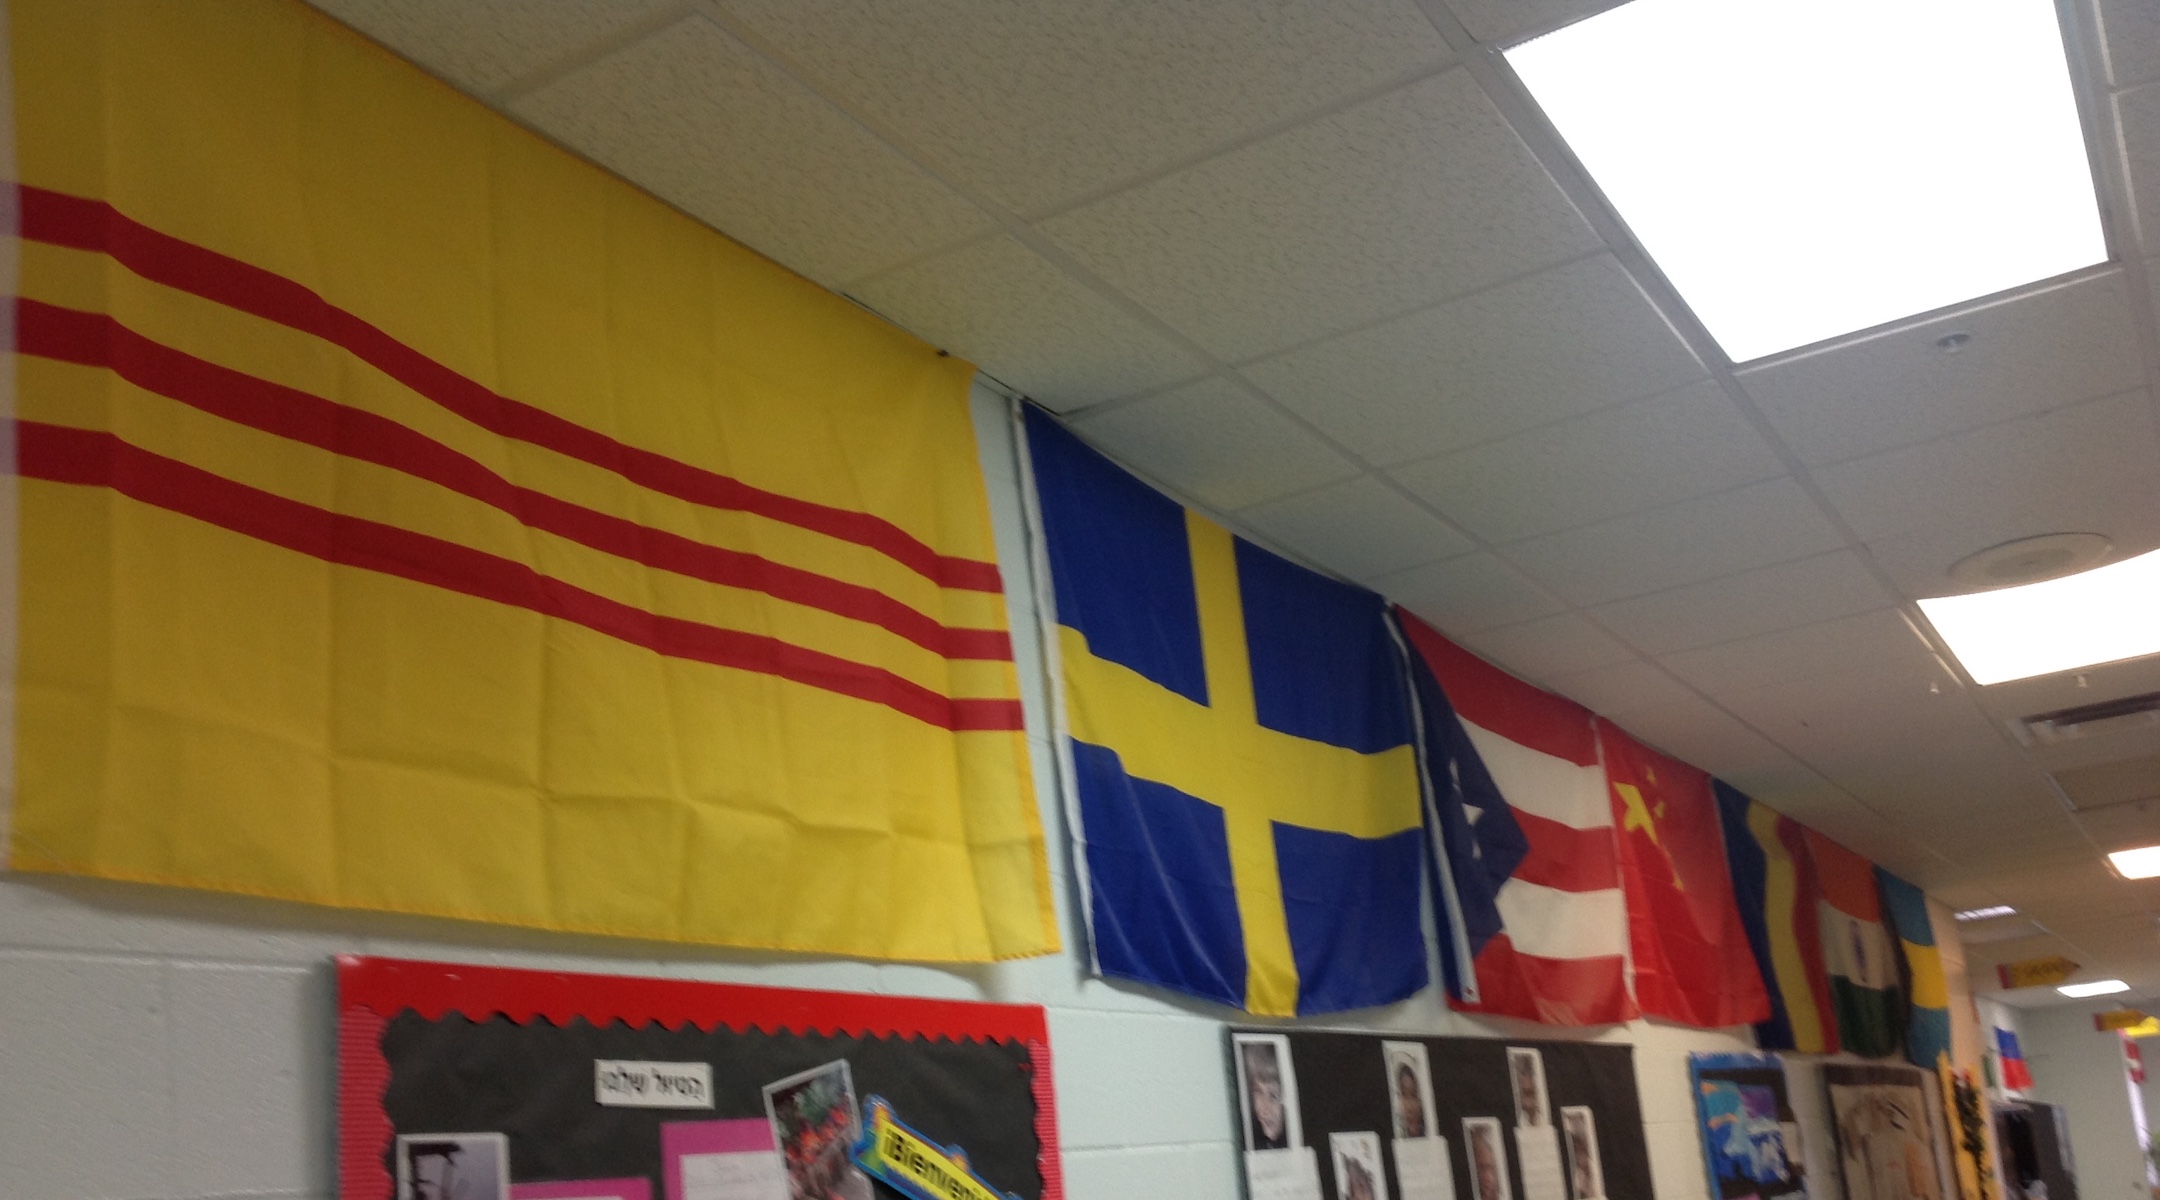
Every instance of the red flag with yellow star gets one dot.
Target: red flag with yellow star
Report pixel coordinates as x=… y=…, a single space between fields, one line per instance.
x=1692 y=962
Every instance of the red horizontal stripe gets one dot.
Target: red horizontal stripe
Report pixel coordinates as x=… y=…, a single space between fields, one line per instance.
x=84 y=224
x=1552 y=991
x=79 y=456
x=97 y=340
x=1496 y=701
x=1566 y=858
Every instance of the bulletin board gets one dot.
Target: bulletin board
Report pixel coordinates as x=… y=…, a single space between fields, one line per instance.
x=478 y=1083
x=1341 y=1116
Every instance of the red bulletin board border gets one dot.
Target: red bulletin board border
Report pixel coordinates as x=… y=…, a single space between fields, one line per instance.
x=373 y=990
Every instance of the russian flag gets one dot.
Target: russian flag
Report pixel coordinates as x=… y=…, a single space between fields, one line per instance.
x=1521 y=835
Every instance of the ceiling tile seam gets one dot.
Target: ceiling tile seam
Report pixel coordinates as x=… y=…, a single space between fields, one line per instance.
x=1971 y=306
x=1260 y=133
x=2053 y=408
x=1407 y=78
x=1229 y=367
x=915 y=260
x=1530 y=33
x=2108 y=148
x=1505 y=90
x=1004 y=219
x=585 y=54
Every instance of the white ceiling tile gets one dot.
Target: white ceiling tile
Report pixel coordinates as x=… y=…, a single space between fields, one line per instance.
x=1704 y=538
x=2036 y=351
x=1548 y=647
x=1623 y=688
x=1786 y=594
x=1699 y=733
x=1612 y=462
x=1558 y=344
x=2138 y=111
x=999 y=305
x=1037 y=103
x=2088 y=467
x=482 y=45
x=704 y=123
x=1360 y=527
x=1421 y=194
x=1467 y=594
x=1216 y=443
x=1506 y=20
x=1831 y=647
x=2131 y=31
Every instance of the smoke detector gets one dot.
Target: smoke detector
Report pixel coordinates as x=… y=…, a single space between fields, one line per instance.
x=2031 y=559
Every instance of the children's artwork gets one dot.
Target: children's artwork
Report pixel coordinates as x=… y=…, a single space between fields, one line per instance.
x=1751 y=1140
x=1888 y=1134
x=476 y=1083
x=1409 y=1083
x=1358 y=1174
x=1443 y=1118
x=816 y=1126
x=1267 y=1091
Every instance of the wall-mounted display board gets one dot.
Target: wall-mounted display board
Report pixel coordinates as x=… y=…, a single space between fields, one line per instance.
x=1887 y=1121
x=476 y=1083
x=1342 y=1116
x=1751 y=1139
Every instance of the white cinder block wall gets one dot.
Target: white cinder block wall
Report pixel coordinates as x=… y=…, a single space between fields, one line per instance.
x=160 y=1044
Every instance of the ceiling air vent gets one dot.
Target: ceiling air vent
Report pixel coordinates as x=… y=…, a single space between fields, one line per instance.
x=2089 y=720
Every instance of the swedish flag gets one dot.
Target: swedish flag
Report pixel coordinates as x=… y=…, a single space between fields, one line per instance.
x=1243 y=774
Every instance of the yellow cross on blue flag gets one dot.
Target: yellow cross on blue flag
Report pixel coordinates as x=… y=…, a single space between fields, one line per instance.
x=1243 y=775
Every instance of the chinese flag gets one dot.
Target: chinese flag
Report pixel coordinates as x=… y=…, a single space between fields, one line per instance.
x=1692 y=962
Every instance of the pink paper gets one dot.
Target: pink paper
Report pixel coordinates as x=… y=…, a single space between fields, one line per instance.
x=639 y=1188
x=678 y=1138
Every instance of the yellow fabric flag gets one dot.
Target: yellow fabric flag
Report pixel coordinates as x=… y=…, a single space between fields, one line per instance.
x=416 y=518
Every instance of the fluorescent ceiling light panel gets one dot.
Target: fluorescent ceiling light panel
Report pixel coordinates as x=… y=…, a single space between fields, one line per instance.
x=2104 y=987
x=1802 y=169
x=2102 y=615
x=1988 y=913
x=2141 y=863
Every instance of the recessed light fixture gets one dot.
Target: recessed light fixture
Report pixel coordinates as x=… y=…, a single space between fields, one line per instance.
x=1802 y=169
x=1983 y=914
x=2141 y=863
x=2103 y=615
x=2102 y=987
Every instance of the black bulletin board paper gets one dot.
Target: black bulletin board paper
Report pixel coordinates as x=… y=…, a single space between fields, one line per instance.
x=1341 y=1086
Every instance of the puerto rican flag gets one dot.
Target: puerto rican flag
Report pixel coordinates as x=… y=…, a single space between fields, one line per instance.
x=1522 y=844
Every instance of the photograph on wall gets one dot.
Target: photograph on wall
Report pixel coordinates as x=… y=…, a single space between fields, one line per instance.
x=479 y=1083
x=1751 y=1138
x=1578 y=1130
x=816 y=1124
x=1267 y=1091
x=1470 y=1096
x=1486 y=1153
x=1409 y=1081
x=1887 y=1133
x=453 y=1166
x=1526 y=1073
x=1358 y=1174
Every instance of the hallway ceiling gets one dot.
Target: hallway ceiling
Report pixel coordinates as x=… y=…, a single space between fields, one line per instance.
x=1321 y=267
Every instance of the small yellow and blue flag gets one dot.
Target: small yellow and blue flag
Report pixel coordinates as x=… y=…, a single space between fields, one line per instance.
x=1243 y=773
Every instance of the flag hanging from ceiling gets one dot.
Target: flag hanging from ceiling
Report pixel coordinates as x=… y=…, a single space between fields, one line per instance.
x=1689 y=948
x=1774 y=882
x=1243 y=774
x=1864 y=990
x=1927 y=1028
x=1965 y=1038
x=414 y=517
x=1522 y=834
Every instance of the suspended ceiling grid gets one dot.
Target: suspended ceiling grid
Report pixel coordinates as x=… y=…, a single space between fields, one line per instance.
x=1320 y=267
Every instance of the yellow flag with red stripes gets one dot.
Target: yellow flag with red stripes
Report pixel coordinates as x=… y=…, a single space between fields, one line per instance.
x=413 y=517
